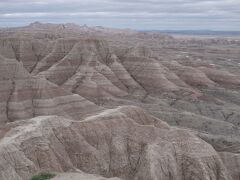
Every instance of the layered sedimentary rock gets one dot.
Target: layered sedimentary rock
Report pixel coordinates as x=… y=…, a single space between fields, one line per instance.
x=125 y=142
x=26 y=50
x=83 y=71
x=24 y=96
x=66 y=70
x=221 y=76
x=60 y=49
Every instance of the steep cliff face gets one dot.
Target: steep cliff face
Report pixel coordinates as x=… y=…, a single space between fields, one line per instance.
x=60 y=86
x=26 y=50
x=24 y=96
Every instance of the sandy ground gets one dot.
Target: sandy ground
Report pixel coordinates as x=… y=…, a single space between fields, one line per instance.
x=80 y=176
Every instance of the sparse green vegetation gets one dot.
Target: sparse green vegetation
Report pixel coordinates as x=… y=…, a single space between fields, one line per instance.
x=43 y=176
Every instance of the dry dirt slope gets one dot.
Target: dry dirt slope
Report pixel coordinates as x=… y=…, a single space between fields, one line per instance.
x=79 y=73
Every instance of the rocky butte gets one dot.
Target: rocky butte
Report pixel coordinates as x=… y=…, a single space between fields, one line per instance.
x=101 y=103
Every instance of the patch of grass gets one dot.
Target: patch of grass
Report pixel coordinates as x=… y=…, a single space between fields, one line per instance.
x=43 y=176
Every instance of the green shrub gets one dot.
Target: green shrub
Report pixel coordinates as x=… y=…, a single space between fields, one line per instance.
x=43 y=176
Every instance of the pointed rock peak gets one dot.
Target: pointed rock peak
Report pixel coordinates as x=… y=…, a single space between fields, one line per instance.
x=35 y=24
x=71 y=25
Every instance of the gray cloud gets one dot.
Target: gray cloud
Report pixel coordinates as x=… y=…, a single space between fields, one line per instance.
x=137 y=14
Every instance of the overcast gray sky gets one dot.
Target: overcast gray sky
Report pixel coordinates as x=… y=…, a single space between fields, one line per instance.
x=136 y=14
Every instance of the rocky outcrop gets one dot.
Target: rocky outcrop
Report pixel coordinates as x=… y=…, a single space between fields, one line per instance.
x=222 y=77
x=65 y=70
x=190 y=75
x=83 y=71
x=24 y=96
x=125 y=142
x=29 y=51
x=60 y=50
x=232 y=162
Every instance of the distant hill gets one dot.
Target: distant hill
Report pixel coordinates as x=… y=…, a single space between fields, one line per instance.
x=198 y=32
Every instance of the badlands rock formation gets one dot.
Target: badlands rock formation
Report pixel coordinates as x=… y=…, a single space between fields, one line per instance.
x=24 y=96
x=119 y=104
x=124 y=142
